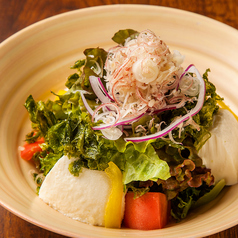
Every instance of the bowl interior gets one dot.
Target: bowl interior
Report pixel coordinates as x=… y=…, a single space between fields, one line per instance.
x=37 y=60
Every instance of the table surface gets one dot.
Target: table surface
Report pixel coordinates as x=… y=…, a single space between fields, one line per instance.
x=18 y=14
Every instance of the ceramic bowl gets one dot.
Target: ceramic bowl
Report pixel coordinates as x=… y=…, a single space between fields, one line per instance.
x=37 y=60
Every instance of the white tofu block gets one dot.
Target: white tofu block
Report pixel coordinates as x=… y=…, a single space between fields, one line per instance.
x=220 y=152
x=82 y=198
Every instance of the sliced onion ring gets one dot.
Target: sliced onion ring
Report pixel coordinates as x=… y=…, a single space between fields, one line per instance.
x=99 y=89
x=194 y=111
x=89 y=109
x=187 y=70
x=120 y=122
x=104 y=90
x=104 y=126
x=94 y=81
x=108 y=111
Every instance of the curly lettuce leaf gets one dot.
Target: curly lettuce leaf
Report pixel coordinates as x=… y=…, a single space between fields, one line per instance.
x=211 y=195
x=121 y=36
x=40 y=115
x=192 y=198
x=92 y=65
x=144 y=166
x=48 y=162
x=68 y=131
x=95 y=60
x=71 y=80
x=121 y=145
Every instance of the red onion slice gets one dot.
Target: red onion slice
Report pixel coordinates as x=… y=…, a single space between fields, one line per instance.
x=105 y=126
x=104 y=90
x=185 y=71
x=96 y=86
x=89 y=109
x=195 y=110
x=120 y=122
x=169 y=107
x=107 y=112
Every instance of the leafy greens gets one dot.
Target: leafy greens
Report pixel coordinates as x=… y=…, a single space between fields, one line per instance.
x=173 y=168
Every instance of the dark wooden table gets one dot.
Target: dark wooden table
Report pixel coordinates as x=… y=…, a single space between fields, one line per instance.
x=17 y=14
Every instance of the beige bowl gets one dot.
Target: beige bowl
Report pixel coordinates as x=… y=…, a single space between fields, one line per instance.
x=37 y=60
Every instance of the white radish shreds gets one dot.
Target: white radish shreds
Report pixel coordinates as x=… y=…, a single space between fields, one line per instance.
x=140 y=74
x=143 y=76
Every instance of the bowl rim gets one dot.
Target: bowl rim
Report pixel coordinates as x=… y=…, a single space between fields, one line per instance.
x=113 y=7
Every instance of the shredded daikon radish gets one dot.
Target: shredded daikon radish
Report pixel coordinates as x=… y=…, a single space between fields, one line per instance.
x=143 y=76
x=140 y=73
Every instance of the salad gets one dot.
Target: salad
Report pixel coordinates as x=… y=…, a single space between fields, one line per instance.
x=120 y=145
